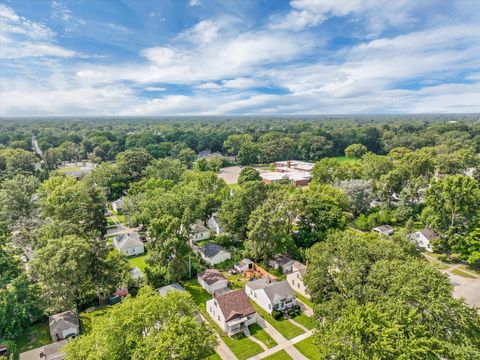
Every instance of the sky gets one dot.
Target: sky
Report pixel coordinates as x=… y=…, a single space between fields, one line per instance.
x=238 y=57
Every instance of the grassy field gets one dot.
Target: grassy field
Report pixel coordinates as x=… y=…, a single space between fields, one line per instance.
x=462 y=273
x=240 y=345
x=280 y=355
x=87 y=318
x=284 y=327
x=304 y=320
x=262 y=335
x=34 y=336
x=138 y=261
x=308 y=348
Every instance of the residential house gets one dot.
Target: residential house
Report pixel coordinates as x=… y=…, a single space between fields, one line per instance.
x=213 y=281
x=232 y=311
x=64 y=325
x=244 y=265
x=281 y=262
x=291 y=165
x=384 y=229
x=423 y=239
x=198 y=232
x=47 y=352
x=118 y=205
x=214 y=225
x=295 y=278
x=270 y=295
x=169 y=288
x=213 y=253
x=129 y=244
x=297 y=178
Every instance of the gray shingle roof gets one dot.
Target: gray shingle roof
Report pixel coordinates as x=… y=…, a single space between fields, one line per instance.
x=63 y=321
x=169 y=288
x=126 y=241
x=278 y=290
x=211 y=249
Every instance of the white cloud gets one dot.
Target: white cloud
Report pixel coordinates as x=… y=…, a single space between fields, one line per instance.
x=20 y=37
x=195 y=3
x=203 y=32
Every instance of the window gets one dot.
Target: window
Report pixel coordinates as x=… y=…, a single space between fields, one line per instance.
x=210 y=309
x=215 y=303
x=251 y=292
x=218 y=317
x=298 y=285
x=270 y=306
x=255 y=295
x=293 y=282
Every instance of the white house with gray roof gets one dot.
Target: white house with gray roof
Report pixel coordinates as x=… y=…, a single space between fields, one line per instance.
x=129 y=244
x=118 y=204
x=270 y=295
x=213 y=253
x=169 y=288
x=198 y=232
x=64 y=325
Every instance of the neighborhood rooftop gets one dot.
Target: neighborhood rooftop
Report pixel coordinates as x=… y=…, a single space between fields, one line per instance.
x=128 y=240
x=211 y=276
x=63 y=321
x=234 y=304
x=211 y=249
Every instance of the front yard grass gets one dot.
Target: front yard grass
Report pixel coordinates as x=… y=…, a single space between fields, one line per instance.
x=138 y=261
x=284 y=327
x=308 y=348
x=34 y=336
x=240 y=345
x=280 y=355
x=304 y=320
x=304 y=299
x=260 y=334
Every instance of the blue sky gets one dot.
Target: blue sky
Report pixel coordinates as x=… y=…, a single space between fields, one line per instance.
x=202 y=57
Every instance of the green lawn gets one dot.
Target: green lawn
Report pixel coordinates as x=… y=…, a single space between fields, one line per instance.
x=344 y=159
x=87 y=318
x=240 y=345
x=304 y=320
x=234 y=280
x=462 y=273
x=308 y=348
x=138 y=261
x=121 y=218
x=284 y=327
x=470 y=269
x=214 y=356
x=280 y=355
x=110 y=221
x=34 y=336
x=260 y=334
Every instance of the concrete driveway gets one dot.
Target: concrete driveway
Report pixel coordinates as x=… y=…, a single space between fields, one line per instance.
x=466 y=288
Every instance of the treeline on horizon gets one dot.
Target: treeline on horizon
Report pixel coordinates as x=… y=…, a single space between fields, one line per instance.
x=249 y=139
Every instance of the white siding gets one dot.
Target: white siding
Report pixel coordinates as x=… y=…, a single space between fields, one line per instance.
x=295 y=280
x=214 y=287
x=260 y=298
x=217 y=259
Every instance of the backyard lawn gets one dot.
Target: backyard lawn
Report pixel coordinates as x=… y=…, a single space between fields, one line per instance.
x=284 y=327
x=34 y=336
x=138 y=261
x=87 y=318
x=280 y=355
x=240 y=345
x=260 y=334
x=235 y=280
x=308 y=348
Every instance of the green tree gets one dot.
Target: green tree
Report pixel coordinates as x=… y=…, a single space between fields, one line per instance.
x=248 y=153
x=166 y=169
x=249 y=173
x=148 y=327
x=234 y=142
x=235 y=211
x=452 y=207
x=355 y=151
x=359 y=193
x=187 y=156
x=132 y=162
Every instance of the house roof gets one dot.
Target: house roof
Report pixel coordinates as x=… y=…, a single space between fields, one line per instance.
x=211 y=249
x=169 y=288
x=198 y=228
x=211 y=276
x=278 y=290
x=121 y=292
x=63 y=321
x=51 y=351
x=301 y=268
x=281 y=259
x=429 y=234
x=234 y=304
x=118 y=202
x=245 y=262
x=258 y=283
x=126 y=241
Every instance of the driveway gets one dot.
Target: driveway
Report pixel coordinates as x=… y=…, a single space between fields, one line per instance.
x=466 y=288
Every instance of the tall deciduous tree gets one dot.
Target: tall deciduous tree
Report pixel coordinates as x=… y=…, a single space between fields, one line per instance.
x=355 y=151
x=146 y=327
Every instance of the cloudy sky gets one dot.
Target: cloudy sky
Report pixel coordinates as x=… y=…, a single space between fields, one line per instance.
x=142 y=57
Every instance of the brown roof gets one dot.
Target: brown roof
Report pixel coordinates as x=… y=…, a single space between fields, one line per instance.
x=211 y=276
x=429 y=234
x=301 y=268
x=234 y=304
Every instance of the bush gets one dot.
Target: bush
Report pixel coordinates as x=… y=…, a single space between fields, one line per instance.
x=294 y=311
x=276 y=314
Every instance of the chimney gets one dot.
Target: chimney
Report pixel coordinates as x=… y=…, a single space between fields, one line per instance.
x=213 y=294
x=289 y=163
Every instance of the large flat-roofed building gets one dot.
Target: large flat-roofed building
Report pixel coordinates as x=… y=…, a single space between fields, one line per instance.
x=297 y=178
